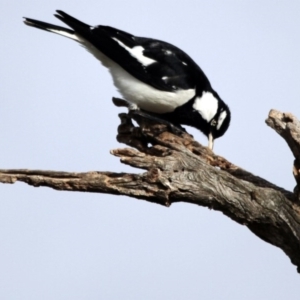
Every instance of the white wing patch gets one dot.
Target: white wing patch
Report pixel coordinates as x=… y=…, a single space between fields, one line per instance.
x=221 y=119
x=137 y=52
x=206 y=105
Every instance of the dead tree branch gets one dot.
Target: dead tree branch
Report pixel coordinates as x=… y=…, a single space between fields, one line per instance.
x=288 y=127
x=179 y=169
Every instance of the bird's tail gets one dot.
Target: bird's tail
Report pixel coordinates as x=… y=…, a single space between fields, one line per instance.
x=53 y=28
x=70 y=21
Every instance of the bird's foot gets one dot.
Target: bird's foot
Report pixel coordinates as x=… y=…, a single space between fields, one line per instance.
x=136 y=114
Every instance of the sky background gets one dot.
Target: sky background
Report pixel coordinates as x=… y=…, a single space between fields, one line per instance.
x=56 y=114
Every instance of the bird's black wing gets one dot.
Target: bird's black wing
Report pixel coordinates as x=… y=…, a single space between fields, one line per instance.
x=157 y=63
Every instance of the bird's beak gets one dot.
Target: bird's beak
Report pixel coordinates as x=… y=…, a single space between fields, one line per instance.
x=210 y=141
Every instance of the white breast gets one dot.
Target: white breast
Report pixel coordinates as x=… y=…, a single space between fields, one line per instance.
x=145 y=96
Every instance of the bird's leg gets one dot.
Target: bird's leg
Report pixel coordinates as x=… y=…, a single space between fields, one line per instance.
x=135 y=111
x=176 y=130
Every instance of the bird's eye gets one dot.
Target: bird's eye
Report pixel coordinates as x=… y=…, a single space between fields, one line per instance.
x=213 y=123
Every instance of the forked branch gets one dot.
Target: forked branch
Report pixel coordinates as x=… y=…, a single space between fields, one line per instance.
x=179 y=169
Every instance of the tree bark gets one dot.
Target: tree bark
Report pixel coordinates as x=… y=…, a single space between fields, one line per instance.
x=179 y=169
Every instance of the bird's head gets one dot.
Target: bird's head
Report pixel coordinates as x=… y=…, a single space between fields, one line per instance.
x=214 y=113
x=219 y=123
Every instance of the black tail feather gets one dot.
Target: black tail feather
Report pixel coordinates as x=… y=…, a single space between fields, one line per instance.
x=46 y=26
x=71 y=21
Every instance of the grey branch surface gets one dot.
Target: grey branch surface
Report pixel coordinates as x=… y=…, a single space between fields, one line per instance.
x=179 y=169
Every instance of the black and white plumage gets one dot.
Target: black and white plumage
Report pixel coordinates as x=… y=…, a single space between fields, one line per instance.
x=152 y=75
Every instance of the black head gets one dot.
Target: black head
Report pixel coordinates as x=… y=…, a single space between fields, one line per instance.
x=206 y=112
x=220 y=122
x=213 y=115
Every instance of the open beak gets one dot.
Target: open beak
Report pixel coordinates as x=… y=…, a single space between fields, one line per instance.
x=210 y=141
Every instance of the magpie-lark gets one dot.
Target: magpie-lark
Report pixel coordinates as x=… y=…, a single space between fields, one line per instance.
x=152 y=75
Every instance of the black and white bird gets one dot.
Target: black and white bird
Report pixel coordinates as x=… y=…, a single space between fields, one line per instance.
x=152 y=75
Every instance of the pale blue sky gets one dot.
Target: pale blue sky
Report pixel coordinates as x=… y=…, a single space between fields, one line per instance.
x=56 y=113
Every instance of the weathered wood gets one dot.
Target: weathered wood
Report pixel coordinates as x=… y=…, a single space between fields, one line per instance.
x=288 y=127
x=179 y=169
